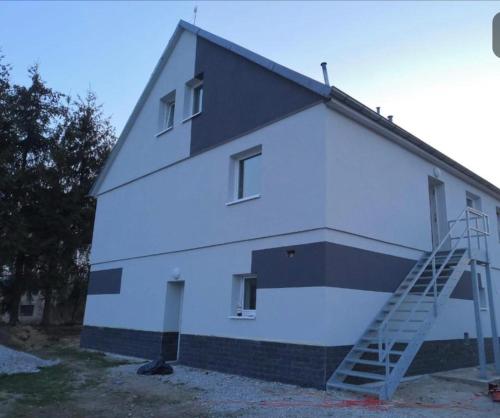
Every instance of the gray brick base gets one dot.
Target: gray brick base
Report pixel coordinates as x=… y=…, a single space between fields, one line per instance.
x=144 y=344
x=303 y=365
x=306 y=365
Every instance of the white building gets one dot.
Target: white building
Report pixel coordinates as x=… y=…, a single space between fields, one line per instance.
x=254 y=221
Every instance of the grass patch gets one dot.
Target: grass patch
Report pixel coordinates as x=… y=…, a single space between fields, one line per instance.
x=88 y=359
x=49 y=385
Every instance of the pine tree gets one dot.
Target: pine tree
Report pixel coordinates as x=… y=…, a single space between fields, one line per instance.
x=51 y=149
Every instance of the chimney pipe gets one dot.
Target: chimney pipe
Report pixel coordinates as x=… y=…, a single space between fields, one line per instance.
x=378 y=109
x=390 y=118
x=325 y=74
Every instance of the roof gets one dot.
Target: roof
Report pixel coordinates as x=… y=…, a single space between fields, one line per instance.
x=327 y=92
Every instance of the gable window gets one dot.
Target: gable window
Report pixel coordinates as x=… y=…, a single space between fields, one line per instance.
x=170 y=111
x=244 y=302
x=167 y=112
x=193 y=97
x=197 y=99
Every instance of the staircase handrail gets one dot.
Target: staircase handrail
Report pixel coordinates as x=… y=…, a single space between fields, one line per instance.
x=464 y=216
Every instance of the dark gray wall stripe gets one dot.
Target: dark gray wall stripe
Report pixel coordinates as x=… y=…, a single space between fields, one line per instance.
x=334 y=265
x=105 y=282
x=239 y=96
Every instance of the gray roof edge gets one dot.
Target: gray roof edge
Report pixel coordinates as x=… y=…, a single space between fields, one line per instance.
x=307 y=82
x=367 y=112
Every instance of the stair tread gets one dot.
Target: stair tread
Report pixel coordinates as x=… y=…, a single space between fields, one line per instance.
x=411 y=304
x=370 y=362
x=375 y=350
x=366 y=375
x=353 y=388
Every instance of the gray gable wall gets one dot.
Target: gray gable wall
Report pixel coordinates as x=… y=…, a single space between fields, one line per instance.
x=240 y=96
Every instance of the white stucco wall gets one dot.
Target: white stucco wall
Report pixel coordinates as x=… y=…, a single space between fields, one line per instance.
x=321 y=173
x=289 y=315
x=378 y=190
x=184 y=206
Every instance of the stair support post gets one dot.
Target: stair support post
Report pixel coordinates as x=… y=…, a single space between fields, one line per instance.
x=477 y=316
x=493 y=321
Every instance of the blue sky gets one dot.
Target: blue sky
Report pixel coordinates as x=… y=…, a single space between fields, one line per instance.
x=429 y=64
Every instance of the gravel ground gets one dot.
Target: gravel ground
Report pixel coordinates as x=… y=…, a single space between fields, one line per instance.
x=12 y=362
x=230 y=395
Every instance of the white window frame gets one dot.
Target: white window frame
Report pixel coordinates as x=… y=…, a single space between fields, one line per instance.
x=169 y=123
x=238 y=310
x=198 y=86
x=189 y=95
x=166 y=103
x=234 y=175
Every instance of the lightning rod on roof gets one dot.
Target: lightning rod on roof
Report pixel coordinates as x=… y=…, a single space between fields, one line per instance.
x=195 y=11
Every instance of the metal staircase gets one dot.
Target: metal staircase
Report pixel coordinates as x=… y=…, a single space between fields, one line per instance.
x=379 y=360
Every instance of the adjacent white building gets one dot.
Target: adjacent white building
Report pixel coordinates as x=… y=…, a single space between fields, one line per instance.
x=254 y=221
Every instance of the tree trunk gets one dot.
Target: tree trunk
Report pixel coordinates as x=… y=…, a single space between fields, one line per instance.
x=16 y=290
x=13 y=310
x=47 y=307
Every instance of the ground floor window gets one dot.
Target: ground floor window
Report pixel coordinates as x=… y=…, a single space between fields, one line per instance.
x=244 y=301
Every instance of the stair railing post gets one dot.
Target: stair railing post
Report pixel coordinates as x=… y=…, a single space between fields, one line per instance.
x=475 y=293
x=468 y=232
x=493 y=321
x=434 y=279
x=479 y=328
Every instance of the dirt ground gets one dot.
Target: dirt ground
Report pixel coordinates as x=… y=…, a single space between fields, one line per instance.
x=88 y=384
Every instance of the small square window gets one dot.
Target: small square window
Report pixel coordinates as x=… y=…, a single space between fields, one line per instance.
x=249 y=176
x=244 y=296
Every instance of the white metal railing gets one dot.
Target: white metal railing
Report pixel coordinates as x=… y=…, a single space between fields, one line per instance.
x=475 y=229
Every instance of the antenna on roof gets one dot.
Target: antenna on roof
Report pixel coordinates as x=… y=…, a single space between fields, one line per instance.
x=195 y=11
